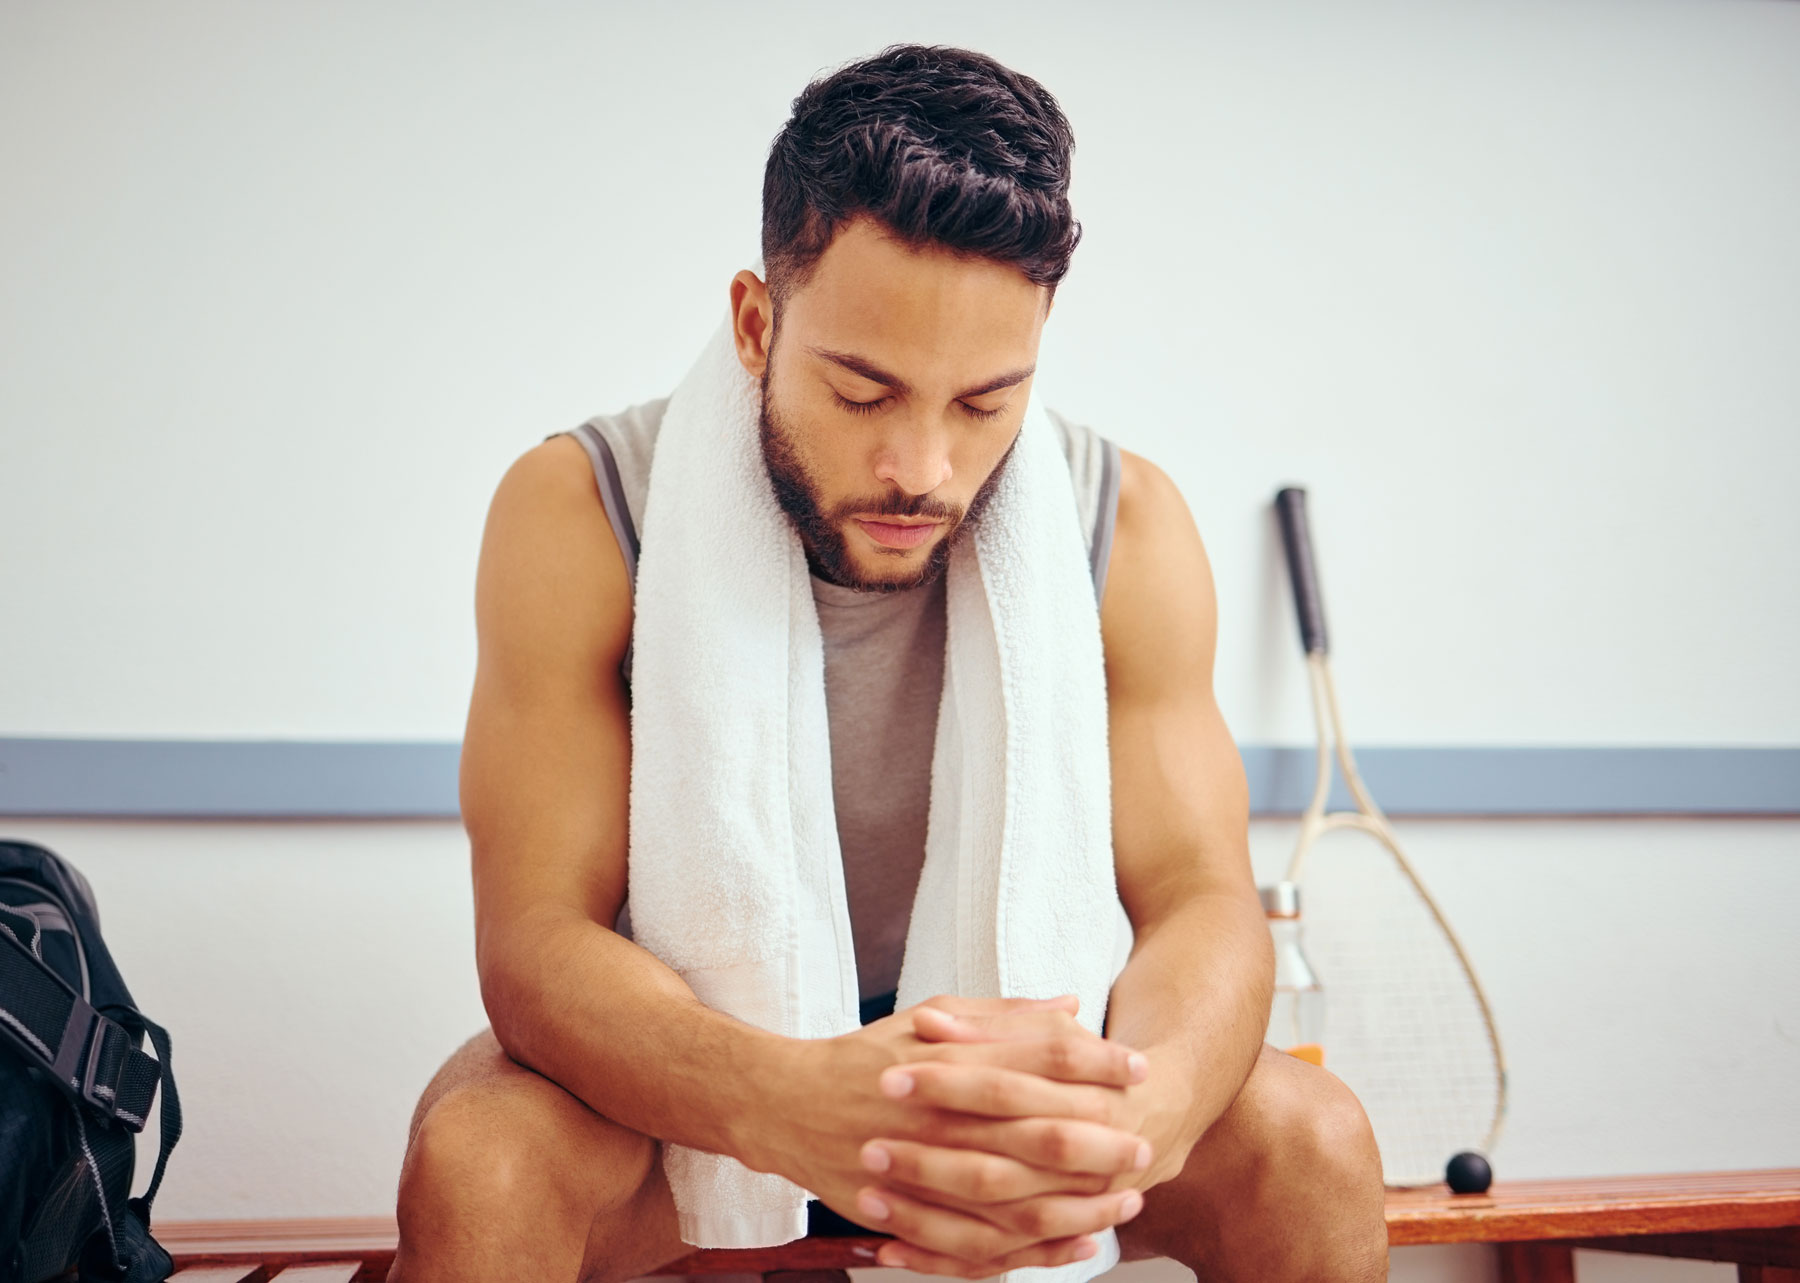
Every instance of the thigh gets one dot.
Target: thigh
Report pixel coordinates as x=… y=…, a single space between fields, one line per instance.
x=496 y=1144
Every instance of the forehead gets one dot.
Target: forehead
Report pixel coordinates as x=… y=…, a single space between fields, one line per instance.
x=872 y=294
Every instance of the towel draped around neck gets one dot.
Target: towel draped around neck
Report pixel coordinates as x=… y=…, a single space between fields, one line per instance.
x=735 y=875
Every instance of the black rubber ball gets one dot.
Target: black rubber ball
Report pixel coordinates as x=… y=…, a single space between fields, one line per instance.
x=1468 y=1173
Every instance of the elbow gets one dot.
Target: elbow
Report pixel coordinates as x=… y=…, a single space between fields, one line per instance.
x=503 y=972
x=522 y=963
x=1260 y=950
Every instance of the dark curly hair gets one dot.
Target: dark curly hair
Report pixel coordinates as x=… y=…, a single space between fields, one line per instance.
x=944 y=146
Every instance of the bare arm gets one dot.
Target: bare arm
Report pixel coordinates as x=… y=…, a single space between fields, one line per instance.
x=1195 y=995
x=545 y=778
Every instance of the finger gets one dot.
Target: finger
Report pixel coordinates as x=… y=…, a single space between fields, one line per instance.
x=937 y=1172
x=979 y=1026
x=907 y=1256
x=998 y=1093
x=934 y=1228
x=1055 y=1144
x=958 y=1005
x=999 y=1228
x=1067 y=1057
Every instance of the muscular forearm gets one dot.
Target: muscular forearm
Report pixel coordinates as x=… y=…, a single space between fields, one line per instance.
x=609 y=1022
x=1194 y=999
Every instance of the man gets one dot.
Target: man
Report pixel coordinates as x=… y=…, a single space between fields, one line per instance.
x=916 y=223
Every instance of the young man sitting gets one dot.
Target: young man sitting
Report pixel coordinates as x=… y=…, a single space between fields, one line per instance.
x=845 y=652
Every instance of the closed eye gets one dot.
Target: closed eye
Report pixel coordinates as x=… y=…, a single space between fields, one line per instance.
x=860 y=407
x=871 y=407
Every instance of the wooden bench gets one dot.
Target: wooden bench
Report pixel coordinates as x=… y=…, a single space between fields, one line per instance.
x=1751 y=1219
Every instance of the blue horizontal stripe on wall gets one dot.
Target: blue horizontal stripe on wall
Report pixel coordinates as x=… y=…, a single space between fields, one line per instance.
x=1541 y=781
x=249 y=779
x=228 y=779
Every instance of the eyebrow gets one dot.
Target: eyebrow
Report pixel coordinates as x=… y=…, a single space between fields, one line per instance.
x=875 y=374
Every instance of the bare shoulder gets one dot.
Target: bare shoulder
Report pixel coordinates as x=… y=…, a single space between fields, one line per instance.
x=552 y=584
x=1159 y=615
x=545 y=755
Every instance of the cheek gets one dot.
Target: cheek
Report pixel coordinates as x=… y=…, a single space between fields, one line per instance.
x=978 y=458
x=837 y=472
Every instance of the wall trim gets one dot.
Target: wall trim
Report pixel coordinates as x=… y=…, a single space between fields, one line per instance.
x=308 y=779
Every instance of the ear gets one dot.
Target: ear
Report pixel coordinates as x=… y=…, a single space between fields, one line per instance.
x=752 y=321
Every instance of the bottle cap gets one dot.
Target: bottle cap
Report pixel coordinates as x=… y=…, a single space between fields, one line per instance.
x=1281 y=900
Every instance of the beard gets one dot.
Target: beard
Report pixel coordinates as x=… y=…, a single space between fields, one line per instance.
x=822 y=530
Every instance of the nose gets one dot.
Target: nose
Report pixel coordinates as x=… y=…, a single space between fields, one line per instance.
x=914 y=459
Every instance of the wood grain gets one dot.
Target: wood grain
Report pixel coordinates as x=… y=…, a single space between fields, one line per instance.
x=1775 y=1247
x=1523 y=1211
x=1536 y=1263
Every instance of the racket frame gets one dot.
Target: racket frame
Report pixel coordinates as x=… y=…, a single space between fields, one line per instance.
x=1367 y=818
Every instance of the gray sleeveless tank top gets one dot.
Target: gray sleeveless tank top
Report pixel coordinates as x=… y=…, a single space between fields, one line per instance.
x=884 y=674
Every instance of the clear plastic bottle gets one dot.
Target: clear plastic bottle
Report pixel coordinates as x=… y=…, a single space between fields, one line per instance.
x=1297 y=1016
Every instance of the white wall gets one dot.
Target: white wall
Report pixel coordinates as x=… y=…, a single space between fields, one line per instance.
x=1511 y=286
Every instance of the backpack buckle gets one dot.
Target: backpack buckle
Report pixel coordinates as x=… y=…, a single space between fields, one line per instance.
x=83 y=1042
x=102 y=1096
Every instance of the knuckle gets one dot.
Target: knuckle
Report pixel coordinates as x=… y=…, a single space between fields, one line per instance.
x=986 y=1183
x=1059 y=1143
x=991 y=1242
x=1034 y=1219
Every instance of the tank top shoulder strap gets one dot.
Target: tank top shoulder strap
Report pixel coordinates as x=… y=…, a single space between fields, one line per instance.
x=1094 y=472
x=621 y=446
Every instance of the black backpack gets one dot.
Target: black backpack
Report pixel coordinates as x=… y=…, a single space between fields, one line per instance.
x=74 y=1086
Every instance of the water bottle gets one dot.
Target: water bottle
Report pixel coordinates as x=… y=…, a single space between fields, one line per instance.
x=1297 y=1016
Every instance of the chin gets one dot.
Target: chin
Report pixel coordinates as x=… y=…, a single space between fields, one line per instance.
x=892 y=565
x=879 y=568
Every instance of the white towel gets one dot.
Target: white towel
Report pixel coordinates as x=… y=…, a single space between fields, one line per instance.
x=736 y=880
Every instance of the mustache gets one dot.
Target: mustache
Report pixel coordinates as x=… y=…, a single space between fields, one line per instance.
x=895 y=504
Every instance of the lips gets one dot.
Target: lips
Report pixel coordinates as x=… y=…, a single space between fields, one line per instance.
x=891 y=534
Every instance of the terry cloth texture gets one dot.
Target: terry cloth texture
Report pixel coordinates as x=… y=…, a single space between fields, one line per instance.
x=884 y=668
x=734 y=866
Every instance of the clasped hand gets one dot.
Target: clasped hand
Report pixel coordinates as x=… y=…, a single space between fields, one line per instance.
x=988 y=1134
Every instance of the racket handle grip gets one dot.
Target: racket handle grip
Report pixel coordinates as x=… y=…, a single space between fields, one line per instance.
x=1296 y=538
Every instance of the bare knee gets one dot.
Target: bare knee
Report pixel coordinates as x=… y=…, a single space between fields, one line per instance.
x=504 y=1170
x=1320 y=1170
x=1286 y=1185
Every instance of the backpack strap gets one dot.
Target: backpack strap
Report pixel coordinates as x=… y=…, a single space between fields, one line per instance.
x=90 y=1055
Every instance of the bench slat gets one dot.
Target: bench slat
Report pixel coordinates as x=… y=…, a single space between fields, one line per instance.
x=336 y=1272
x=1522 y=1211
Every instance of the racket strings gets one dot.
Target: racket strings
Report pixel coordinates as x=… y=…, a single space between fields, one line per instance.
x=1405 y=1027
